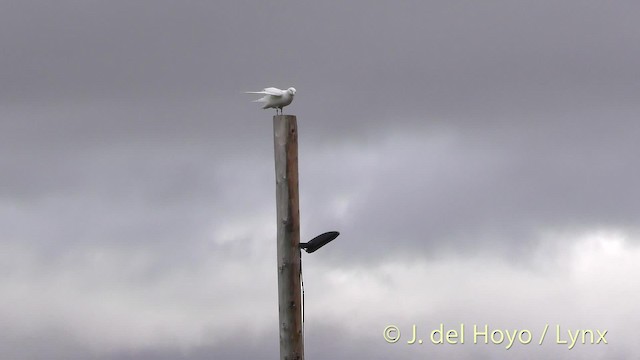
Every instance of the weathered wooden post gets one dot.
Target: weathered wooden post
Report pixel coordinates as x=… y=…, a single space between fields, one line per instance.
x=285 y=146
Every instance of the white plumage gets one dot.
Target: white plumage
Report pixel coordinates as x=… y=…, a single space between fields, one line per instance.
x=275 y=98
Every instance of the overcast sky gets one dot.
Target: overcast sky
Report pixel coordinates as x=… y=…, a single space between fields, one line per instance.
x=480 y=159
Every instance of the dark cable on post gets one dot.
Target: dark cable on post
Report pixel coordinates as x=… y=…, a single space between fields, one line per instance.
x=302 y=285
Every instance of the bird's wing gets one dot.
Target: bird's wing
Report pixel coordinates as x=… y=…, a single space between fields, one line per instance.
x=274 y=91
x=269 y=91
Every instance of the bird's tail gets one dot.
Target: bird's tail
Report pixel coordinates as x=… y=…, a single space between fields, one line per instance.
x=262 y=99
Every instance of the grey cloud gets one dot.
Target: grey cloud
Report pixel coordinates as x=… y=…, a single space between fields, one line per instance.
x=500 y=190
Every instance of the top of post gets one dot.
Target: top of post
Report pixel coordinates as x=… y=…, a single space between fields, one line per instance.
x=284 y=117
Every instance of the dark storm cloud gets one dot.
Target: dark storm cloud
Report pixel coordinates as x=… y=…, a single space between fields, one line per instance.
x=359 y=69
x=381 y=55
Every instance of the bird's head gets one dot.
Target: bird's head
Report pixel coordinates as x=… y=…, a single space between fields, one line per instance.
x=291 y=91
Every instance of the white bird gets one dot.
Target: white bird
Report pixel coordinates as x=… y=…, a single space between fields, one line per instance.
x=275 y=98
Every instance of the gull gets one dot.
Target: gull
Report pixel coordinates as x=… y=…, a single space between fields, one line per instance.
x=275 y=98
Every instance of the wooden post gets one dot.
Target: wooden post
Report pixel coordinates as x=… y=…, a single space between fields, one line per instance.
x=285 y=145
